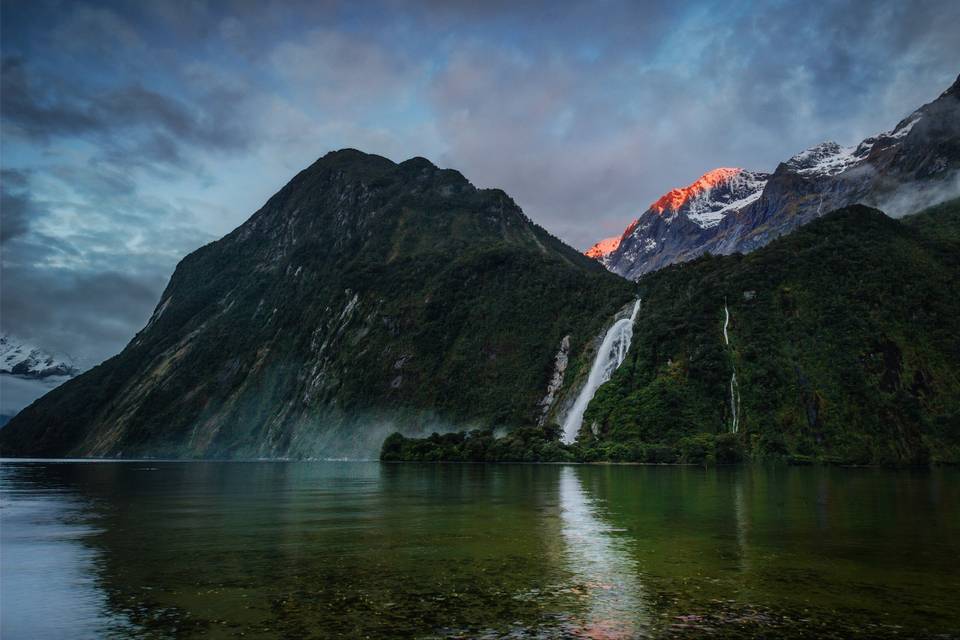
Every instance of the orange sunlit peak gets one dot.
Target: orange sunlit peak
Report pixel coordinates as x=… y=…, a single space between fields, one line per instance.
x=608 y=245
x=603 y=248
x=674 y=199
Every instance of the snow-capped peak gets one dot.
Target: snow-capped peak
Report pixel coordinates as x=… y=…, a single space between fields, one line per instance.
x=676 y=198
x=19 y=357
x=826 y=158
x=830 y=159
x=713 y=195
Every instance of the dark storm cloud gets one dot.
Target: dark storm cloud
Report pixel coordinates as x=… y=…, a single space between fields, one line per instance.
x=16 y=206
x=137 y=131
x=84 y=288
x=86 y=315
x=138 y=124
x=576 y=138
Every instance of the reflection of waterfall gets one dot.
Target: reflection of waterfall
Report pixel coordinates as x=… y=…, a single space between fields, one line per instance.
x=605 y=574
x=743 y=520
x=612 y=351
x=734 y=388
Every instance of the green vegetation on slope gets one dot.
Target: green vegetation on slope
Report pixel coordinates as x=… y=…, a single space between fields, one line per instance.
x=845 y=338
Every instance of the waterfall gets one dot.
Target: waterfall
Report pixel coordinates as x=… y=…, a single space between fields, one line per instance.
x=734 y=389
x=612 y=351
x=726 y=321
x=734 y=402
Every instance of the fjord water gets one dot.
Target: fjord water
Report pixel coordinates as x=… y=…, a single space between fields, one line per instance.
x=326 y=550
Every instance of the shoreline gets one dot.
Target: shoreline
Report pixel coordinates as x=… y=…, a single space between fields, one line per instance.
x=606 y=463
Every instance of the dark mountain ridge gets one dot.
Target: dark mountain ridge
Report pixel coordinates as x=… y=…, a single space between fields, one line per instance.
x=365 y=296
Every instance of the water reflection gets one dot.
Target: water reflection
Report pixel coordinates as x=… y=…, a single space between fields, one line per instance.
x=48 y=586
x=340 y=550
x=743 y=523
x=606 y=576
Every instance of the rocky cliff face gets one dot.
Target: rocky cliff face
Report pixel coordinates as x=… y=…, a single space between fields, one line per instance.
x=364 y=297
x=912 y=166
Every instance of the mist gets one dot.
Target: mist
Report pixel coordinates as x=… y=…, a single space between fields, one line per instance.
x=916 y=196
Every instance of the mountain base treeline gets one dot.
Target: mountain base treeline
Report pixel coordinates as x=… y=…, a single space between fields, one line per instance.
x=543 y=444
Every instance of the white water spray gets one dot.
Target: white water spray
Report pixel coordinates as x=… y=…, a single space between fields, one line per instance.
x=612 y=351
x=734 y=389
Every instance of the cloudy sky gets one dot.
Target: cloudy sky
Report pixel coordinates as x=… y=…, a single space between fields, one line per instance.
x=134 y=132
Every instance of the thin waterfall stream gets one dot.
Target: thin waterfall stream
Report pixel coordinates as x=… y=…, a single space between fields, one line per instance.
x=734 y=388
x=610 y=355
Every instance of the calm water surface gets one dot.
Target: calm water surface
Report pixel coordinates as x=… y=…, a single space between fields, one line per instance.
x=327 y=550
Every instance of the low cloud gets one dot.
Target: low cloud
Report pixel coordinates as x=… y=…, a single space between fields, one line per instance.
x=918 y=196
x=131 y=125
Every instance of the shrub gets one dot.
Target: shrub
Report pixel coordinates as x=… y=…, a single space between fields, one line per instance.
x=698 y=449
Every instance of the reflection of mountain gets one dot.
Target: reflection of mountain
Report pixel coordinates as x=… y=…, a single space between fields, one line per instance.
x=605 y=574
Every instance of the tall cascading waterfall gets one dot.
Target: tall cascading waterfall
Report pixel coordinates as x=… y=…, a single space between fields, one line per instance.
x=734 y=389
x=612 y=351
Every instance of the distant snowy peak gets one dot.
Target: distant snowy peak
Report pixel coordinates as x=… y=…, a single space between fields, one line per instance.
x=826 y=158
x=705 y=203
x=914 y=165
x=713 y=195
x=18 y=357
x=674 y=199
x=830 y=159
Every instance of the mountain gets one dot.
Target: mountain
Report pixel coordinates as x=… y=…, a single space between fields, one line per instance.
x=28 y=371
x=364 y=297
x=22 y=358
x=840 y=341
x=916 y=164
x=681 y=217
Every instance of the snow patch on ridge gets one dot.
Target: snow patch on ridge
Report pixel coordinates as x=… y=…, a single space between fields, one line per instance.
x=711 y=206
x=830 y=159
x=902 y=129
x=21 y=358
x=824 y=159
